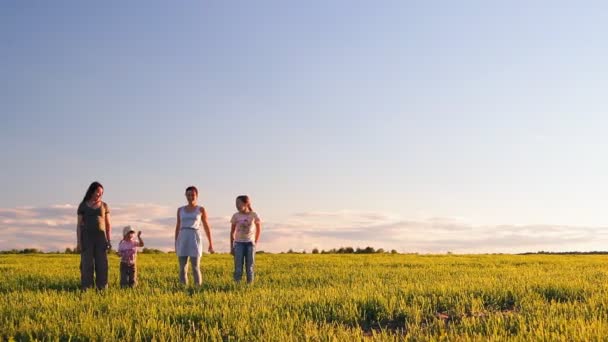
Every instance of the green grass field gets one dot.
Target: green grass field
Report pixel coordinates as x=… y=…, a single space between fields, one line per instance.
x=314 y=298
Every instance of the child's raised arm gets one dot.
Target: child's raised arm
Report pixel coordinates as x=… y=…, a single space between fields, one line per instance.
x=141 y=242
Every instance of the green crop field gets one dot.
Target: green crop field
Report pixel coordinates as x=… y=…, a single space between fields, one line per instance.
x=305 y=297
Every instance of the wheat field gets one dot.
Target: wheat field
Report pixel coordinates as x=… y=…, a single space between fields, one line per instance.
x=306 y=297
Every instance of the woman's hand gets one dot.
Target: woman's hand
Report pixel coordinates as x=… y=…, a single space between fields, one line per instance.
x=211 y=251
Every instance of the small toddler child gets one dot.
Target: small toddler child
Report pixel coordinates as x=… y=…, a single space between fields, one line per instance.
x=127 y=249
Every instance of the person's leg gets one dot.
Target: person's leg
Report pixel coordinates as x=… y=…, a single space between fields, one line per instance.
x=239 y=254
x=196 y=269
x=132 y=275
x=124 y=275
x=86 y=261
x=183 y=274
x=249 y=261
x=101 y=261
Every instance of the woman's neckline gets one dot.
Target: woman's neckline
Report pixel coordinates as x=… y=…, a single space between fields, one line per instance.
x=91 y=207
x=190 y=210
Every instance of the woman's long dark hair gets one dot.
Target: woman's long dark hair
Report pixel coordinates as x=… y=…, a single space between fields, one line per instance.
x=91 y=190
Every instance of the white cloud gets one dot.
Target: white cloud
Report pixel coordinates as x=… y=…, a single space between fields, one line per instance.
x=53 y=228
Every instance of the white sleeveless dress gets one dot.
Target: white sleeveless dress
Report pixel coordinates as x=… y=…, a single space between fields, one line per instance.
x=189 y=236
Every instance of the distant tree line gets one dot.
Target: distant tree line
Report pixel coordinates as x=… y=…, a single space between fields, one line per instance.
x=569 y=253
x=23 y=251
x=68 y=250
x=341 y=250
x=347 y=250
x=145 y=250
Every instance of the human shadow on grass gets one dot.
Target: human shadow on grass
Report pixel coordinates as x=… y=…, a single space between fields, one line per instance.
x=371 y=317
x=208 y=287
x=28 y=284
x=31 y=283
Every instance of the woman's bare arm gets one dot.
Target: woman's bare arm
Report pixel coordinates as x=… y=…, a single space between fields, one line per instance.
x=207 y=228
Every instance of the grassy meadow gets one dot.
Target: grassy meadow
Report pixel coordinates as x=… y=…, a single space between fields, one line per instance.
x=306 y=297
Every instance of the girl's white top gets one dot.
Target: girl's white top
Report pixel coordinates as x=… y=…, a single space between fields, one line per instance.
x=245 y=231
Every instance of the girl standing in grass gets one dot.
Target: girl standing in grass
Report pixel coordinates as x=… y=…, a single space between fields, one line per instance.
x=243 y=238
x=127 y=249
x=188 y=244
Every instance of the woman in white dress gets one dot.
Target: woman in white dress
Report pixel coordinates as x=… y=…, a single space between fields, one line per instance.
x=188 y=244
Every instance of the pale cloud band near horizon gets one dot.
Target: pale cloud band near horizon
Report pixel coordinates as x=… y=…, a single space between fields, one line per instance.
x=52 y=228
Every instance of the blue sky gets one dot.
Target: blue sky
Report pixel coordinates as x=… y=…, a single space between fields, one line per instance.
x=339 y=118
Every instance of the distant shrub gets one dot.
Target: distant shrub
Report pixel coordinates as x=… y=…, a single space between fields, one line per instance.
x=152 y=251
x=348 y=250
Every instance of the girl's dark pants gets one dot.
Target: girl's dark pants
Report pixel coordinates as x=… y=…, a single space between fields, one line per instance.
x=128 y=275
